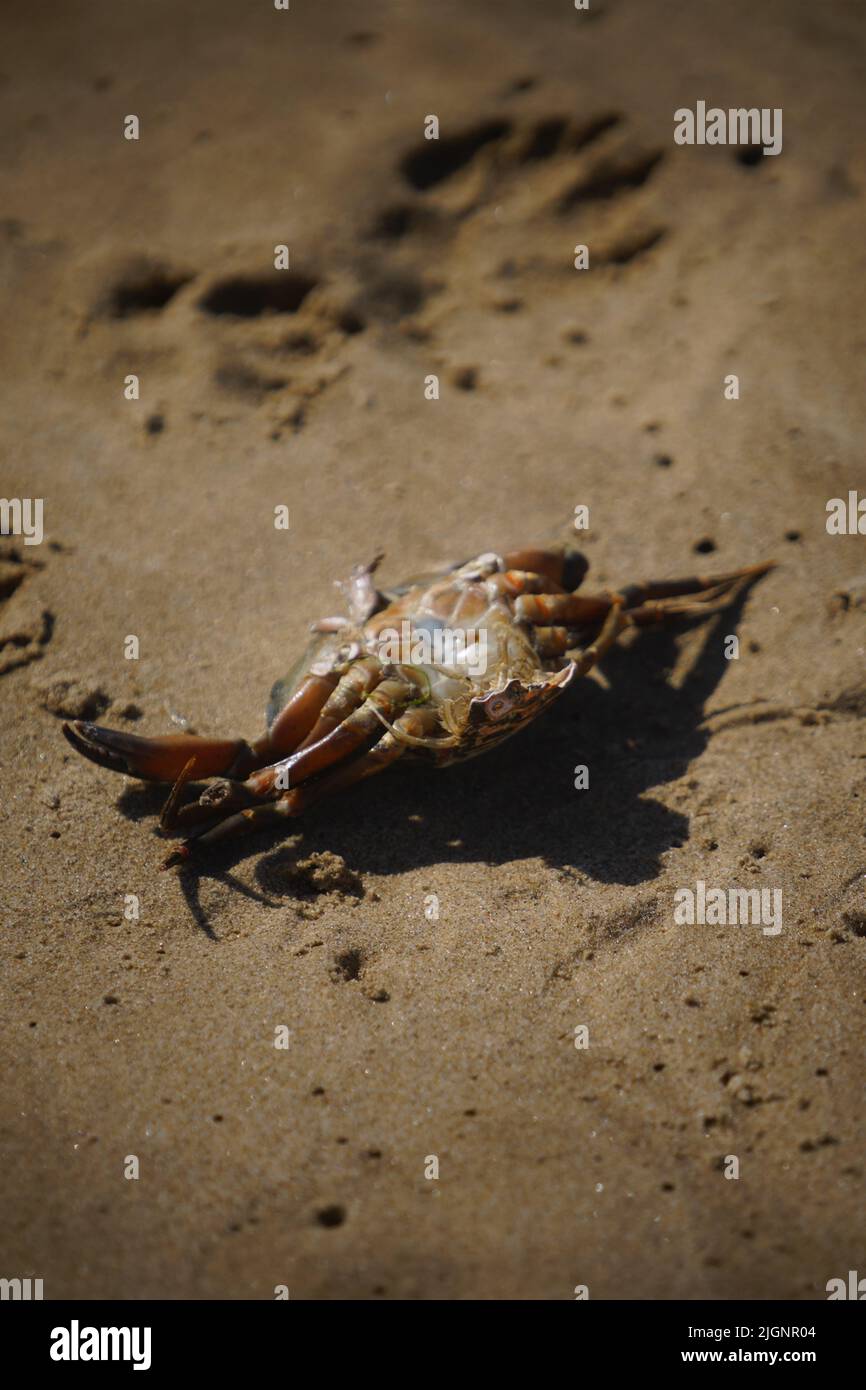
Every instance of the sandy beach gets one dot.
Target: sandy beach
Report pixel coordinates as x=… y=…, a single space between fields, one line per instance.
x=414 y=1036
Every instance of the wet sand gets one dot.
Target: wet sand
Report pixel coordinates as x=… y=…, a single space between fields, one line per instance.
x=410 y=1037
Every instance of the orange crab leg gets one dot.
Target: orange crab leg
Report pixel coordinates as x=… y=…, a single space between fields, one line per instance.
x=296 y=719
x=416 y=723
x=657 y=610
x=613 y=625
x=514 y=582
x=644 y=602
x=552 y=609
x=564 y=565
x=362 y=677
x=389 y=698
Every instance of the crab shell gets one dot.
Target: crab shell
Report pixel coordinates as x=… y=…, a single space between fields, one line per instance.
x=500 y=714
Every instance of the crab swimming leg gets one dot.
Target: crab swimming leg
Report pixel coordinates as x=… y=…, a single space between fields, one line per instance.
x=416 y=723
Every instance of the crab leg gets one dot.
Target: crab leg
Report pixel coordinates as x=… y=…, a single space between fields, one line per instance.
x=389 y=698
x=416 y=723
x=341 y=740
x=713 y=601
x=263 y=817
x=645 y=602
x=362 y=677
x=283 y=736
x=708 y=585
x=552 y=609
x=694 y=598
x=270 y=784
x=563 y=565
x=296 y=719
x=614 y=623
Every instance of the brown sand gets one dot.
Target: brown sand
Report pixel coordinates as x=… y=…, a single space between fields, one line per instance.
x=411 y=1037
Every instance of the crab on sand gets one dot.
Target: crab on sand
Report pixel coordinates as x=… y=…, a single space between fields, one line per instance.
x=440 y=668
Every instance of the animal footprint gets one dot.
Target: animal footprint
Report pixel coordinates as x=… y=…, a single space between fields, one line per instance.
x=513 y=185
x=253 y=357
x=497 y=199
x=26 y=624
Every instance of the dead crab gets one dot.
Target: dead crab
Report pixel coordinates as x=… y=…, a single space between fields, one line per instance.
x=440 y=668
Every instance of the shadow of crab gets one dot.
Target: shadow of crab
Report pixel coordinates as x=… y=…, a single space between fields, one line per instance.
x=519 y=802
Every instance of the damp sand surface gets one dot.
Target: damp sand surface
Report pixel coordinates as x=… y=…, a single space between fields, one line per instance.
x=412 y=1035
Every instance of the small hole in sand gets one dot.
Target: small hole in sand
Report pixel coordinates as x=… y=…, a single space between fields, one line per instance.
x=347 y=965
x=331 y=1216
x=466 y=379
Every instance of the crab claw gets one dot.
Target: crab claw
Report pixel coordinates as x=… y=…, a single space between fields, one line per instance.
x=158 y=759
